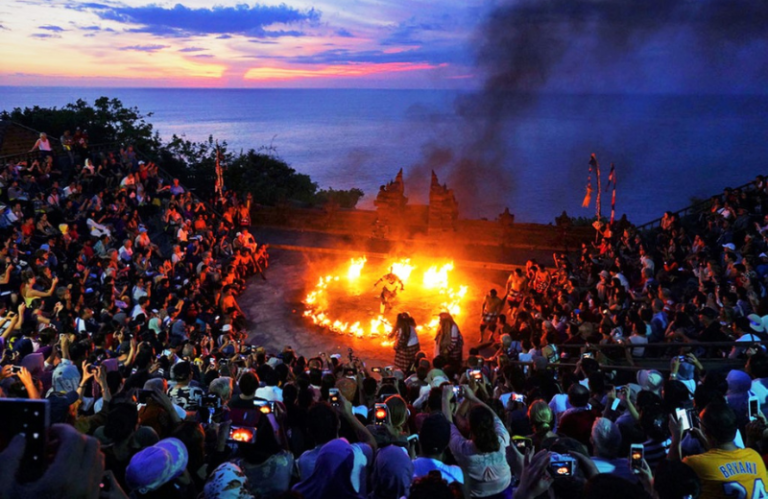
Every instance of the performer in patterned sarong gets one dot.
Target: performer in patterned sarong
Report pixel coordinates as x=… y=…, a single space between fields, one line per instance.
x=406 y=342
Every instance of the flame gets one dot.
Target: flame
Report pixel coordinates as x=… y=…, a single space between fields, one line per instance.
x=355 y=268
x=403 y=269
x=436 y=279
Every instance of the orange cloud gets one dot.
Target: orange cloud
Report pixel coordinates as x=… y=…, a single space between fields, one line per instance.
x=345 y=70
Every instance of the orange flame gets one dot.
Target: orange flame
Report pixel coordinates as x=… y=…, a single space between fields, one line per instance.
x=436 y=279
x=403 y=269
x=355 y=268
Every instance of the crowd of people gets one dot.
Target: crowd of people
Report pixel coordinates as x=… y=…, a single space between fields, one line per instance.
x=127 y=352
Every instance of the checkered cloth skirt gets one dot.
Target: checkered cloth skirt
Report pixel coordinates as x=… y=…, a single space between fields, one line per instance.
x=404 y=357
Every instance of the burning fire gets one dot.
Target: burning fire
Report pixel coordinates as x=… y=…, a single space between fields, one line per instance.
x=436 y=279
x=355 y=268
x=403 y=269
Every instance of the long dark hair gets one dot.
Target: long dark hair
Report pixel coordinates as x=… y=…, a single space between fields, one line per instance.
x=481 y=423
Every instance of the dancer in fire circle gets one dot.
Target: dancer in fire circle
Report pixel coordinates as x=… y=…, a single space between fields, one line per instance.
x=449 y=342
x=516 y=286
x=406 y=341
x=492 y=306
x=389 y=290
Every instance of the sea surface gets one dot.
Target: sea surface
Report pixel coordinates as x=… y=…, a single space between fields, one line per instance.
x=532 y=156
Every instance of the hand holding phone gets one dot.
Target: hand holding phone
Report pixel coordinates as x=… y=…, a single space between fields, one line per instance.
x=333 y=397
x=636 y=455
x=65 y=475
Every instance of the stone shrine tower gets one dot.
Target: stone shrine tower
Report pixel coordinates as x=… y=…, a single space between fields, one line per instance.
x=443 y=208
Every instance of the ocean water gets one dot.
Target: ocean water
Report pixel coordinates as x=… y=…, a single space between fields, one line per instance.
x=667 y=149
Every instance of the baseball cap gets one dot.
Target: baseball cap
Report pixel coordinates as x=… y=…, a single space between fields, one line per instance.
x=157 y=465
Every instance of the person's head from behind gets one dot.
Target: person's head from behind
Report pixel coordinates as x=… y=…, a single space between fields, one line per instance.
x=605 y=438
x=654 y=422
x=434 y=435
x=398 y=411
x=609 y=486
x=122 y=421
x=718 y=422
x=182 y=372
x=222 y=388
x=540 y=416
x=248 y=384
x=676 y=480
x=157 y=471
x=578 y=395
x=266 y=444
x=322 y=423
x=482 y=430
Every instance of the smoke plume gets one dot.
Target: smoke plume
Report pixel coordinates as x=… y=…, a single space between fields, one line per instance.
x=533 y=48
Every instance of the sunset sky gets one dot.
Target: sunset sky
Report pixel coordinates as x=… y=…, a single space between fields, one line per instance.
x=229 y=43
x=675 y=46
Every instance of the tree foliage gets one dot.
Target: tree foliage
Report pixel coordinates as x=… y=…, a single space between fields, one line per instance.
x=268 y=178
x=106 y=121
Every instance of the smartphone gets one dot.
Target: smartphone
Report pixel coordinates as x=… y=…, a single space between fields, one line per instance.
x=242 y=434
x=349 y=373
x=636 y=453
x=413 y=439
x=245 y=349
x=15 y=369
x=476 y=374
x=376 y=370
x=30 y=418
x=522 y=443
x=754 y=408
x=588 y=355
x=561 y=465
x=615 y=404
x=683 y=419
x=212 y=360
x=333 y=396
x=167 y=353
x=211 y=400
x=518 y=397
x=144 y=396
x=380 y=414
x=265 y=406
x=457 y=391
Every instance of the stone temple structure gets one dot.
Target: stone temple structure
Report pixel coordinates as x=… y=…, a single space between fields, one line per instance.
x=443 y=208
x=390 y=206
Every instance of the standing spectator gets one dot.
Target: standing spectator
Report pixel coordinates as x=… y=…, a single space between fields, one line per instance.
x=482 y=457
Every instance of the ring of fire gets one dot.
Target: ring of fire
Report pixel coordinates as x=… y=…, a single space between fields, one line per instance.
x=346 y=301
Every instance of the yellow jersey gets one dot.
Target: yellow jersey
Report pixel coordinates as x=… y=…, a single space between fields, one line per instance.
x=735 y=474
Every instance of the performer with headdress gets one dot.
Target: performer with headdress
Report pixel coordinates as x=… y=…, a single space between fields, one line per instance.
x=449 y=342
x=406 y=341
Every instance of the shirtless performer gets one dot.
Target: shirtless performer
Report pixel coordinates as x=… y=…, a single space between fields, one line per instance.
x=516 y=287
x=492 y=306
x=389 y=290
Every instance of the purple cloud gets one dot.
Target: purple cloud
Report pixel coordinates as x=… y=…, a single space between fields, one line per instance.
x=455 y=54
x=180 y=20
x=344 y=33
x=44 y=35
x=144 y=48
x=49 y=27
x=192 y=49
